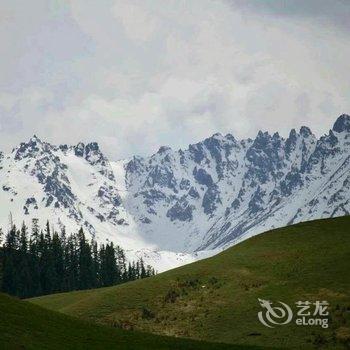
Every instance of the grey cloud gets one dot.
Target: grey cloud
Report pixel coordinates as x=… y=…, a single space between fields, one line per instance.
x=303 y=104
x=134 y=75
x=333 y=12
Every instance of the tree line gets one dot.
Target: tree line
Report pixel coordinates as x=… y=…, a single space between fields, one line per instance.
x=45 y=261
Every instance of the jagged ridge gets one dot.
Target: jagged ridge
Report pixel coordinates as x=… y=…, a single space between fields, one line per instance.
x=208 y=196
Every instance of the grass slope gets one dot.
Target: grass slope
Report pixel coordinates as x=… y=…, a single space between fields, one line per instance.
x=217 y=299
x=27 y=326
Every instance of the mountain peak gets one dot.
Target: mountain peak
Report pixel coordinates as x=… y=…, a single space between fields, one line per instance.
x=342 y=123
x=35 y=138
x=28 y=149
x=276 y=135
x=292 y=135
x=92 y=147
x=262 y=136
x=217 y=136
x=305 y=131
x=230 y=137
x=164 y=149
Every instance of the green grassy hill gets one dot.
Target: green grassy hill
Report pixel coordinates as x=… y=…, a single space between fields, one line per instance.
x=217 y=299
x=27 y=326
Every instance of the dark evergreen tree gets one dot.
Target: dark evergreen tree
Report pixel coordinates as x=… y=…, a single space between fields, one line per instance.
x=34 y=258
x=58 y=262
x=95 y=265
x=10 y=277
x=86 y=278
x=72 y=263
x=1 y=259
x=48 y=262
x=24 y=287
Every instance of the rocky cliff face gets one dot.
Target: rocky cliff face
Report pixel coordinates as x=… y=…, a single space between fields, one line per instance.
x=222 y=190
x=208 y=196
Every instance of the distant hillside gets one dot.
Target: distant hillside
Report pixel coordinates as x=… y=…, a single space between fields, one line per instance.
x=217 y=299
x=27 y=326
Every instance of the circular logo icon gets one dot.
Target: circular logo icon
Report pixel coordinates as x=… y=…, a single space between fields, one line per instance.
x=274 y=315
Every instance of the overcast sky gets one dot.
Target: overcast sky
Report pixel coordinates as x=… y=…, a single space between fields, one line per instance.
x=135 y=75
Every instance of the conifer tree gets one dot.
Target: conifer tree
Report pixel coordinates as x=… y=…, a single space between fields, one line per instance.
x=58 y=263
x=48 y=262
x=85 y=262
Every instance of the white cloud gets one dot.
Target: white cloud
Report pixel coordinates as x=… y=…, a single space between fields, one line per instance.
x=134 y=75
x=139 y=23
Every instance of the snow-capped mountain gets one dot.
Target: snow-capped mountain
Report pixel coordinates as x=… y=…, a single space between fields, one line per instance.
x=177 y=206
